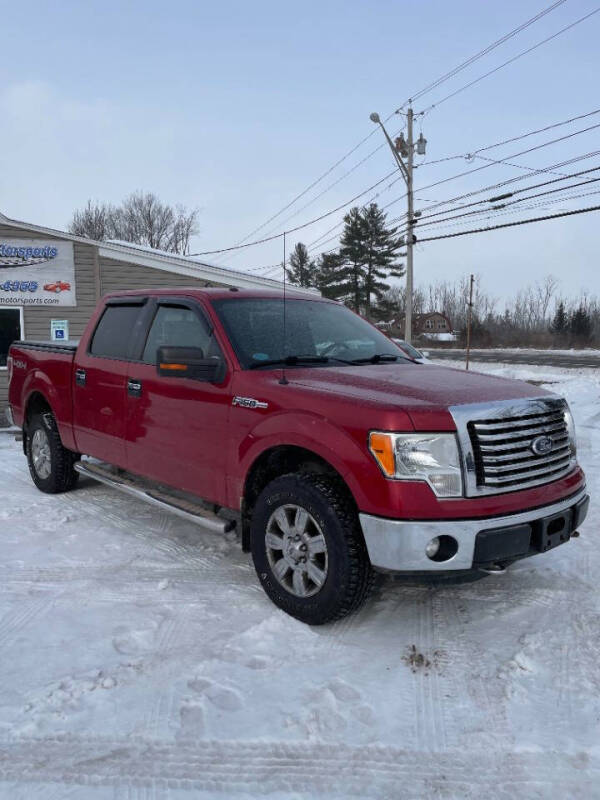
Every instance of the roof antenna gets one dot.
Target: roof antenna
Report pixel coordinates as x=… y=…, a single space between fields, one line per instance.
x=283 y=380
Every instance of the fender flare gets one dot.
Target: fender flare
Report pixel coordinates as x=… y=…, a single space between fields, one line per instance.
x=39 y=383
x=311 y=432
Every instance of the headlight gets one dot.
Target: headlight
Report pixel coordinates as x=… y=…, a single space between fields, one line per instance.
x=571 y=431
x=431 y=457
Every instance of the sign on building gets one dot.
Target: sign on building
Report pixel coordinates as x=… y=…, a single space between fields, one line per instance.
x=59 y=330
x=34 y=272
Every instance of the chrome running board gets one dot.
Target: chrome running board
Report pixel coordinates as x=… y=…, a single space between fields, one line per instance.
x=191 y=509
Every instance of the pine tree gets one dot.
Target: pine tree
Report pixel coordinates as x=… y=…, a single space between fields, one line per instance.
x=328 y=280
x=381 y=248
x=352 y=251
x=302 y=270
x=369 y=252
x=560 y=323
x=581 y=325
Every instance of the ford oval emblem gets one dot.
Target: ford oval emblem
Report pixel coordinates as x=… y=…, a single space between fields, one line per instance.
x=542 y=445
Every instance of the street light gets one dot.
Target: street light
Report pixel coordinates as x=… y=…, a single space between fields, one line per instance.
x=405 y=149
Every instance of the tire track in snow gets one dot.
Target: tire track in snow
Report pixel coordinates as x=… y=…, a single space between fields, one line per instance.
x=466 y=658
x=13 y=623
x=262 y=767
x=145 y=525
x=117 y=574
x=161 y=706
x=429 y=721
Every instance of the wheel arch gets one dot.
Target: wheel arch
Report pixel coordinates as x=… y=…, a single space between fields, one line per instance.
x=36 y=403
x=278 y=460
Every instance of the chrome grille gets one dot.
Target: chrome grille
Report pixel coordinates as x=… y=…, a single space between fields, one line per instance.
x=502 y=448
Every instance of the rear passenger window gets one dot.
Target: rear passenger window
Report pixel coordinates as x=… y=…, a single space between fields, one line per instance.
x=113 y=335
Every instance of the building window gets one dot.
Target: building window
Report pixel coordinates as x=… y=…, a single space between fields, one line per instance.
x=429 y=324
x=11 y=329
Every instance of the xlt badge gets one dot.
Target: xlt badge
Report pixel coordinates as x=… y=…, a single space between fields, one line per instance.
x=249 y=402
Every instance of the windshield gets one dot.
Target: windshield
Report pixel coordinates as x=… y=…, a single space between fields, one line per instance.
x=324 y=332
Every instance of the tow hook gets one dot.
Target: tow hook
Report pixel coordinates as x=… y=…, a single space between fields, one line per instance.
x=493 y=569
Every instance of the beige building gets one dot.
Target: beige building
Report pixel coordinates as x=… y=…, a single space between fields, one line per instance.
x=50 y=282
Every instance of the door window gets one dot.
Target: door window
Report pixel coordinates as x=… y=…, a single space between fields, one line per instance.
x=113 y=336
x=10 y=331
x=177 y=326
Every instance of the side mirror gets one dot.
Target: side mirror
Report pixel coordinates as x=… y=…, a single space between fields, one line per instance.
x=425 y=353
x=188 y=362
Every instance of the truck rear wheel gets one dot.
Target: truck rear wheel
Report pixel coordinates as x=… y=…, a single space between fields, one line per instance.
x=50 y=464
x=308 y=548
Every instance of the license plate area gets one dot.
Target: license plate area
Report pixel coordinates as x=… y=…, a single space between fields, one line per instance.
x=553 y=531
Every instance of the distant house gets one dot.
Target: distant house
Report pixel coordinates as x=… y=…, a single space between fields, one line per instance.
x=433 y=322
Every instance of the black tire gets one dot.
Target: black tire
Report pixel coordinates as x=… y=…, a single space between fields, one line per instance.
x=349 y=575
x=61 y=477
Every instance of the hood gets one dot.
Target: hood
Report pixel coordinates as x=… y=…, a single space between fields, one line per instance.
x=418 y=389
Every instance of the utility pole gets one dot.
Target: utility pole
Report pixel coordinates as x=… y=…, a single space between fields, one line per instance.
x=409 y=234
x=406 y=148
x=469 y=319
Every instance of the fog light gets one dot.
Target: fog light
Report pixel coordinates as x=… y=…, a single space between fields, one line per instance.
x=432 y=548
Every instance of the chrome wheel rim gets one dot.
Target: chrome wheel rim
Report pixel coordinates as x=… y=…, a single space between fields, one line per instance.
x=296 y=550
x=40 y=454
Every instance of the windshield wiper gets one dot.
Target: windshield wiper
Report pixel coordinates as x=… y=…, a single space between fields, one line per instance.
x=378 y=358
x=290 y=361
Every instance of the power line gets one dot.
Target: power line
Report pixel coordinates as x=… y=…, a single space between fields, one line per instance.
x=468 y=205
x=440 y=80
x=511 y=224
x=512 y=164
x=298 y=227
x=449 y=158
x=379 y=182
x=533 y=133
x=514 y=155
x=511 y=60
x=483 y=213
x=481 y=53
x=474 y=153
x=497 y=211
x=501 y=184
x=510 y=194
x=332 y=185
x=488 y=214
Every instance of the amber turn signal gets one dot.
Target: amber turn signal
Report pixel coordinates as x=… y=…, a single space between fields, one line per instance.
x=382 y=447
x=180 y=367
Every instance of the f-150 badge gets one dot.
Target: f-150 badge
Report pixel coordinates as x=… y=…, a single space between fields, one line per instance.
x=249 y=402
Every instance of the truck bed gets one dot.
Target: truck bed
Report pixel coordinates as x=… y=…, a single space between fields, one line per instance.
x=47 y=366
x=49 y=347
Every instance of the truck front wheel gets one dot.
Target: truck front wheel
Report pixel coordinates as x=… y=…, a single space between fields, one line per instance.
x=308 y=549
x=50 y=464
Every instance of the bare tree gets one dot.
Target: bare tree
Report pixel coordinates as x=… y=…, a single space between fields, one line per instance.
x=141 y=219
x=95 y=221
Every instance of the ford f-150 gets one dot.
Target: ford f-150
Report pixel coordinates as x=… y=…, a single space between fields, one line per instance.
x=300 y=424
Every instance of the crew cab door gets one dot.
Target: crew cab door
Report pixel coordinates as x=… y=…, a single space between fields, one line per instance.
x=100 y=377
x=177 y=426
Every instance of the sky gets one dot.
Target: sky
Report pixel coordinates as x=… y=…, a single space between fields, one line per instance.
x=235 y=108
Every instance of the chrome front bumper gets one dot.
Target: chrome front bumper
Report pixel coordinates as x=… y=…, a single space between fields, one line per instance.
x=399 y=545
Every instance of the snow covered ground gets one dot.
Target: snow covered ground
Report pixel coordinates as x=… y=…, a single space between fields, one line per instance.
x=140 y=660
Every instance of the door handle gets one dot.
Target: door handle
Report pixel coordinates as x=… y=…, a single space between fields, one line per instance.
x=134 y=387
x=80 y=377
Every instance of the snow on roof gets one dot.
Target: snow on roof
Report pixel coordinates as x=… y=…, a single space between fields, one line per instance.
x=162 y=260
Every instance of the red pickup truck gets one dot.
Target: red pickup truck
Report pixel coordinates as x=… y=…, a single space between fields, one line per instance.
x=305 y=427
